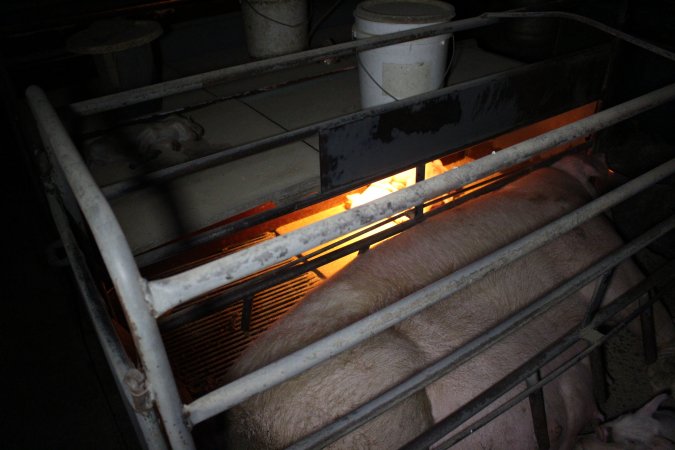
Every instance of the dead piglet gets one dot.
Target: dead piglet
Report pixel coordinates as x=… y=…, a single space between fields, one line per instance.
x=646 y=429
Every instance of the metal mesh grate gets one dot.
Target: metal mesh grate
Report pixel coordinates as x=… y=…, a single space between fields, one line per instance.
x=201 y=351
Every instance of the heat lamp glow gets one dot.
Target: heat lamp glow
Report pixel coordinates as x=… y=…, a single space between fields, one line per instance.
x=391 y=184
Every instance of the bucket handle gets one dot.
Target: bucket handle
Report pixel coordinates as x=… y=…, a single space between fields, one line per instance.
x=264 y=16
x=445 y=74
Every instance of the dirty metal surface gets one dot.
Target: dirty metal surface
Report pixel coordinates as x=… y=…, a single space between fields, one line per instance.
x=370 y=148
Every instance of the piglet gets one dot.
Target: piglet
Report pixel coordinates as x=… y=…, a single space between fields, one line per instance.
x=648 y=428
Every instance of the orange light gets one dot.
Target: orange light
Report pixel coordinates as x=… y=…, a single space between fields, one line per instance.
x=391 y=184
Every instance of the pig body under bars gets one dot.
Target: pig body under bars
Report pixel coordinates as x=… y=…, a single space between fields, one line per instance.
x=278 y=417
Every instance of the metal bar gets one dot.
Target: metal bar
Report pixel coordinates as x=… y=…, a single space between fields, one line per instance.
x=115 y=190
x=313 y=261
x=174 y=290
x=189 y=83
x=121 y=266
x=598 y=372
x=146 y=424
x=434 y=372
x=648 y=335
x=420 y=172
x=598 y=296
x=166 y=174
x=586 y=21
x=447 y=425
x=538 y=412
x=155 y=255
x=285 y=368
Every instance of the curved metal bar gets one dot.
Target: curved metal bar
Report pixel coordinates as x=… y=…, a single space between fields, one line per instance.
x=147 y=424
x=121 y=266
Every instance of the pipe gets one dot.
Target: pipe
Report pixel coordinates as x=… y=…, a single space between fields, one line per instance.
x=323 y=349
x=441 y=429
x=169 y=292
x=146 y=423
x=378 y=405
x=189 y=83
x=586 y=21
x=123 y=271
x=120 y=188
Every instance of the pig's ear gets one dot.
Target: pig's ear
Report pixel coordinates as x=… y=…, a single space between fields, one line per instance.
x=650 y=408
x=587 y=169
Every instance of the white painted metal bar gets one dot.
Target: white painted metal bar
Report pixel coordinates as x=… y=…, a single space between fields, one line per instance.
x=172 y=291
x=121 y=266
x=340 y=341
x=147 y=424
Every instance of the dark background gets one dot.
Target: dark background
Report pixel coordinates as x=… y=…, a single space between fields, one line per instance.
x=57 y=391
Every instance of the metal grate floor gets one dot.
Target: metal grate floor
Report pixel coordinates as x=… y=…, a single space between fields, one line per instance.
x=201 y=351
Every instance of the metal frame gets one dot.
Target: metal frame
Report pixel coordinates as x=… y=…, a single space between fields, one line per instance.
x=143 y=301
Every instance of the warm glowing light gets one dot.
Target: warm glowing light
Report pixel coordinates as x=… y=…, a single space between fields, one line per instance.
x=392 y=184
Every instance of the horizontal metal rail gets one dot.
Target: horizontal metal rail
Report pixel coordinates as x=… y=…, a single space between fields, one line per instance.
x=142 y=301
x=172 y=291
x=450 y=423
x=340 y=341
x=120 y=188
x=377 y=406
x=121 y=266
x=586 y=21
x=336 y=250
x=189 y=83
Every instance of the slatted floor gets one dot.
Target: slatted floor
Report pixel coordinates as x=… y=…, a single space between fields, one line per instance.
x=201 y=351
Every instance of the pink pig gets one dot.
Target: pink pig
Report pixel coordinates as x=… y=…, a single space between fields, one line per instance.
x=395 y=268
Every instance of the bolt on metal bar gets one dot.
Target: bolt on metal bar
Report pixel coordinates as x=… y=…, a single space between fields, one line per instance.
x=169 y=292
x=285 y=368
x=189 y=83
x=121 y=266
x=146 y=424
x=447 y=425
x=586 y=21
x=378 y=405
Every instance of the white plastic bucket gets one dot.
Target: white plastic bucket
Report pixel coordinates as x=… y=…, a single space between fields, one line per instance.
x=391 y=73
x=275 y=27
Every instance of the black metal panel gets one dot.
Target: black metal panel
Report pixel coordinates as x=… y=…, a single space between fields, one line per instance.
x=373 y=147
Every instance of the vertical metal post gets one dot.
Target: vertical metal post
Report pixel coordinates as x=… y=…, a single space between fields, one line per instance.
x=538 y=411
x=597 y=357
x=648 y=331
x=419 y=176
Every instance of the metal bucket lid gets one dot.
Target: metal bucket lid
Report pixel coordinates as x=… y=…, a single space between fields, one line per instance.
x=405 y=11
